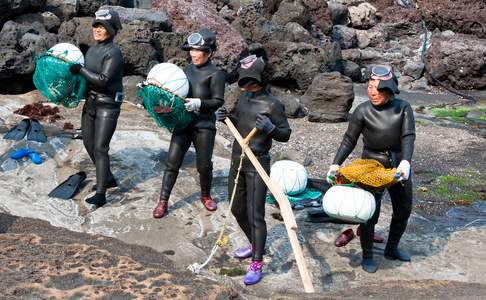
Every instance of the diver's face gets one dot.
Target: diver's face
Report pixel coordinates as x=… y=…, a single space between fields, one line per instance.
x=100 y=33
x=377 y=97
x=199 y=57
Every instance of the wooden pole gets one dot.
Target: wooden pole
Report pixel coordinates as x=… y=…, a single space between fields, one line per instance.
x=285 y=209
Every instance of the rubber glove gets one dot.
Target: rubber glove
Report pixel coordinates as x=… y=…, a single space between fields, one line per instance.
x=404 y=170
x=221 y=114
x=331 y=174
x=264 y=124
x=193 y=104
x=74 y=69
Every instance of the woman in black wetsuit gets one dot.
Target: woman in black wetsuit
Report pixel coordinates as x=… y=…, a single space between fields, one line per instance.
x=255 y=107
x=388 y=129
x=104 y=71
x=206 y=94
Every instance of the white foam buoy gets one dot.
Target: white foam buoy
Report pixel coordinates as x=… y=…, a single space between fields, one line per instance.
x=170 y=77
x=67 y=52
x=349 y=203
x=290 y=176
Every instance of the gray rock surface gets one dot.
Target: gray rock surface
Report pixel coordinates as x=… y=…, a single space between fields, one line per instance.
x=329 y=98
x=458 y=62
x=345 y=36
x=363 y=16
x=154 y=19
x=291 y=11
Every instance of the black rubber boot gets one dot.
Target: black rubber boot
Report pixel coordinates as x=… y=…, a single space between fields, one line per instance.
x=395 y=253
x=98 y=199
x=369 y=265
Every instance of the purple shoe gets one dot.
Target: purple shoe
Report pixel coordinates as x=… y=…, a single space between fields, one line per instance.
x=254 y=274
x=244 y=252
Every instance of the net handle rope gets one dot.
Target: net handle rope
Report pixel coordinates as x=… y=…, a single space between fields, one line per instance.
x=222 y=241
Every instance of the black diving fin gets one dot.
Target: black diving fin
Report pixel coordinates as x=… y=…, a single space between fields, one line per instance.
x=68 y=188
x=18 y=131
x=36 y=132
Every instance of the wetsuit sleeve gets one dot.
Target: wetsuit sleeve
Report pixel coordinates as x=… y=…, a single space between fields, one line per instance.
x=112 y=65
x=281 y=132
x=355 y=127
x=217 y=84
x=408 y=133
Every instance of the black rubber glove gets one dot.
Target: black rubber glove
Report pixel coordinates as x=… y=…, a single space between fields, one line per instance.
x=221 y=114
x=74 y=69
x=264 y=124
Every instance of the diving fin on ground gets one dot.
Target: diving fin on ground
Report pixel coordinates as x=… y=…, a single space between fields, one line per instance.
x=36 y=132
x=68 y=188
x=18 y=131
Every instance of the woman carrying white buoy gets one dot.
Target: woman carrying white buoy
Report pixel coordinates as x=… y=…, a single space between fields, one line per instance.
x=206 y=94
x=104 y=71
x=388 y=128
x=255 y=108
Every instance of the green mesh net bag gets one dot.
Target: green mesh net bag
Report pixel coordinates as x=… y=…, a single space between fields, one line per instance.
x=54 y=80
x=167 y=109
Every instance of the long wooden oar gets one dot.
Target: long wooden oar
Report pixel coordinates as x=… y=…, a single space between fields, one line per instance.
x=285 y=209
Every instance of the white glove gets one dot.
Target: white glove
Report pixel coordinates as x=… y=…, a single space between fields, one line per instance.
x=331 y=174
x=404 y=170
x=193 y=104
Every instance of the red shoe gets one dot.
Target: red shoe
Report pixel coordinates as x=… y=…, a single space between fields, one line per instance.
x=376 y=237
x=344 y=238
x=160 y=209
x=209 y=203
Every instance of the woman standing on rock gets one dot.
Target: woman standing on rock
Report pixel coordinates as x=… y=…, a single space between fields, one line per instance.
x=206 y=94
x=388 y=128
x=104 y=71
x=256 y=107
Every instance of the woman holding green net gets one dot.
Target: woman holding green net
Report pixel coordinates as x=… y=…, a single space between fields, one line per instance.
x=206 y=95
x=103 y=71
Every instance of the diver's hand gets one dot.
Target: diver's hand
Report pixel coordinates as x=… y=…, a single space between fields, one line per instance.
x=264 y=124
x=331 y=174
x=75 y=69
x=404 y=170
x=221 y=114
x=193 y=104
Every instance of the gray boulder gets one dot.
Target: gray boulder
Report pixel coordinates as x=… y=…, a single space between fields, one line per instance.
x=63 y=9
x=19 y=45
x=363 y=16
x=134 y=41
x=345 y=36
x=156 y=19
x=291 y=11
x=339 y=13
x=77 y=31
x=296 y=64
x=9 y=8
x=89 y=7
x=47 y=19
x=459 y=61
x=291 y=102
x=320 y=14
x=329 y=98
x=350 y=69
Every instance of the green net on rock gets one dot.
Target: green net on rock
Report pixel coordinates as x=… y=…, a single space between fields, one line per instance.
x=54 y=80
x=167 y=109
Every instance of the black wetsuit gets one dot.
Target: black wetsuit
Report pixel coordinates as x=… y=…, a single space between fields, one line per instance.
x=249 y=203
x=207 y=82
x=103 y=71
x=388 y=136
